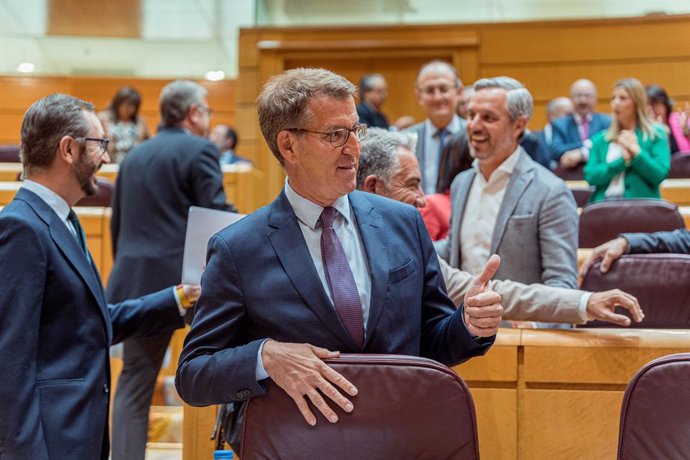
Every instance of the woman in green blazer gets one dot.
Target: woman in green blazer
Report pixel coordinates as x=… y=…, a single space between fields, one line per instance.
x=632 y=157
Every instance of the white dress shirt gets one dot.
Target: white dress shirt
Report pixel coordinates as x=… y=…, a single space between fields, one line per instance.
x=481 y=210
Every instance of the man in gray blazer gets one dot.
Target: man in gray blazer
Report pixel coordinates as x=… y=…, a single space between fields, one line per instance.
x=388 y=167
x=438 y=89
x=507 y=204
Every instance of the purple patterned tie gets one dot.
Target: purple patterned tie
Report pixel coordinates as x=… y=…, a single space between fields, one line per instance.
x=340 y=279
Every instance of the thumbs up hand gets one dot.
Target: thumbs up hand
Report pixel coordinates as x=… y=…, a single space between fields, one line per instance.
x=483 y=308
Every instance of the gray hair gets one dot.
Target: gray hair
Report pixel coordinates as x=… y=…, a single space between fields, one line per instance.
x=284 y=100
x=519 y=101
x=176 y=99
x=379 y=153
x=45 y=123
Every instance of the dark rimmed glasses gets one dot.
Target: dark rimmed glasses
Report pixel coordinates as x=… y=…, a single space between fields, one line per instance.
x=337 y=137
x=103 y=141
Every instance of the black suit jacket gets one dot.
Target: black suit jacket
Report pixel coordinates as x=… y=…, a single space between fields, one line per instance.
x=55 y=332
x=157 y=183
x=371 y=117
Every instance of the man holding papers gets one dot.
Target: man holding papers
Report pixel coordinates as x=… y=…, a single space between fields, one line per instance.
x=158 y=181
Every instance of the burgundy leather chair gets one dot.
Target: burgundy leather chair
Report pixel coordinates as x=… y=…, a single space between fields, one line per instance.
x=604 y=220
x=655 y=417
x=102 y=197
x=661 y=283
x=407 y=407
x=576 y=173
x=680 y=166
x=582 y=194
x=9 y=154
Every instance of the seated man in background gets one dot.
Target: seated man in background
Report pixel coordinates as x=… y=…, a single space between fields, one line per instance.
x=677 y=241
x=507 y=204
x=571 y=142
x=373 y=90
x=324 y=269
x=388 y=167
x=225 y=139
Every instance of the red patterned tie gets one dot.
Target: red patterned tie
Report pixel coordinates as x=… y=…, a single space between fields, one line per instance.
x=340 y=280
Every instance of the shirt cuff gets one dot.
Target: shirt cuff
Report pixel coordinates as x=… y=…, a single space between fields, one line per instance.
x=260 y=372
x=177 y=301
x=582 y=307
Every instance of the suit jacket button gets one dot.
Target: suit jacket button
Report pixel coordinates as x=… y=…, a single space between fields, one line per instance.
x=106 y=390
x=243 y=394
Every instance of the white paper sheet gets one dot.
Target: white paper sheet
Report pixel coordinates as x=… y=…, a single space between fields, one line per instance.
x=202 y=224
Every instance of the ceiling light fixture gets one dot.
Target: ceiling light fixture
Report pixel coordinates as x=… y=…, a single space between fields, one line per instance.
x=26 y=67
x=214 y=75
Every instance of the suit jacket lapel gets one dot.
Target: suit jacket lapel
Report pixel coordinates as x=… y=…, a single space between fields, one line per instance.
x=372 y=231
x=520 y=179
x=459 y=201
x=70 y=249
x=421 y=136
x=573 y=132
x=288 y=243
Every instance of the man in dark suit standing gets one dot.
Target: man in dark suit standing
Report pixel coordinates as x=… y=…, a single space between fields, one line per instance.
x=571 y=136
x=157 y=183
x=373 y=90
x=55 y=325
x=323 y=269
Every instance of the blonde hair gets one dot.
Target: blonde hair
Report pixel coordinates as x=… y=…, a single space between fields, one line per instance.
x=639 y=96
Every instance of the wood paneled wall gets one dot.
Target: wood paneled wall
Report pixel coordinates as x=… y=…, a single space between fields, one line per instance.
x=18 y=93
x=546 y=56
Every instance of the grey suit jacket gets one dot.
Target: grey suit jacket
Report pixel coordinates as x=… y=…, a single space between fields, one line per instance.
x=420 y=130
x=536 y=232
x=521 y=302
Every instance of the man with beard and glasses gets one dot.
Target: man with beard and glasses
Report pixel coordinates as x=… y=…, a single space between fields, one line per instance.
x=55 y=325
x=157 y=183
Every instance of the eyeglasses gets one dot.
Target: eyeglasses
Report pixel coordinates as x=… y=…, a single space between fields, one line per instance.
x=337 y=137
x=104 y=142
x=431 y=90
x=208 y=110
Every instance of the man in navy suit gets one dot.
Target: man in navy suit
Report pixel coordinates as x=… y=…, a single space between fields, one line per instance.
x=570 y=141
x=55 y=325
x=323 y=269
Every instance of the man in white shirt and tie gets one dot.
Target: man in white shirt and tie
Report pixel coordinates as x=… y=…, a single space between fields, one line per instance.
x=438 y=89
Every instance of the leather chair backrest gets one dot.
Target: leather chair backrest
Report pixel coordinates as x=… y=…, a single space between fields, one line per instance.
x=655 y=417
x=661 y=283
x=102 y=197
x=582 y=194
x=576 y=173
x=407 y=407
x=603 y=221
x=9 y=154
x=680 y=166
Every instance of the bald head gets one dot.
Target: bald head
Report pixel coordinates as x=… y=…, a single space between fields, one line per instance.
x=438 y=88
x=584 y=96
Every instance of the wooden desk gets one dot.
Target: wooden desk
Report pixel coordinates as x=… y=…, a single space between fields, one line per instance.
x=571 y=387
x=673 y=190
x=539 y=394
